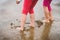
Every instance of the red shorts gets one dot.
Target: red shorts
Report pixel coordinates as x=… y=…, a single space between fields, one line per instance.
x=28 y=6
x=47 y=4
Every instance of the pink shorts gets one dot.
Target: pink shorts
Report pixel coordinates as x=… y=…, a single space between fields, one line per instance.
x=28 y=6
x=47 y=4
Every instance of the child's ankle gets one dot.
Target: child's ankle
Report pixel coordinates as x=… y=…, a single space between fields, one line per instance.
x=31 y=24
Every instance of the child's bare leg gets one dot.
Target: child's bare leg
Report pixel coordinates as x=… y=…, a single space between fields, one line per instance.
x=50 y=15
x=32 y=18
x=46 y=11
x=23 y=21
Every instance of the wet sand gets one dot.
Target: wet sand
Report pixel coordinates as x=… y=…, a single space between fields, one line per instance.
x=10 y=15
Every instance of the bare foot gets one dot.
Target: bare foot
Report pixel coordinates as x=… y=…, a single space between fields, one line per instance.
x=51 y=19
x=46 y=20
x=31 y=25
x=20 y=29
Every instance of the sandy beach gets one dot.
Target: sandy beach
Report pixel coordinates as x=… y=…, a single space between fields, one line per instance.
x=10 y=16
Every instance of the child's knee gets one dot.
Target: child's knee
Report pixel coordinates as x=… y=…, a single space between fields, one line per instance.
x=31 y=11
x=49 y=8
x=25 y=12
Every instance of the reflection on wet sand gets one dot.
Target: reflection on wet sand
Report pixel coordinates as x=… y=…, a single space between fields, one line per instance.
x=6 y=38
x=23 y=35
x=31 y=35
x=46 y=31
